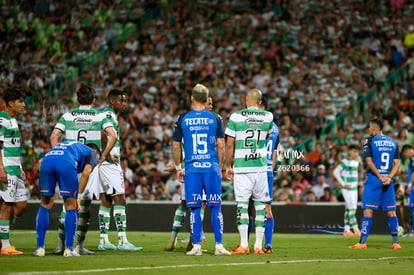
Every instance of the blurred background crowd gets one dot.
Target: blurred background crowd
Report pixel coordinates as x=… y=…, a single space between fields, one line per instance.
x=325 y=67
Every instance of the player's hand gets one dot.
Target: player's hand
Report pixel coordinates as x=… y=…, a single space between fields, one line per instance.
x=229 y=173
x=170 y=168
x=22 y=174
x=180 y=175
x=347 y=186
x=78 y=205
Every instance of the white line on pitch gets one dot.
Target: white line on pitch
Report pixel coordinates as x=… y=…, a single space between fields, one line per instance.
x=206 y=265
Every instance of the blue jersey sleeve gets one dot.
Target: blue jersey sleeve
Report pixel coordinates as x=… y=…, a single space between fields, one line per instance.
x=220 y=126
x=368 y=147
x=91 y=159
x=178 y=132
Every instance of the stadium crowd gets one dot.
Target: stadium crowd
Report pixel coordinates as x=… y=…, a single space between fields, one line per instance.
x=311 y=59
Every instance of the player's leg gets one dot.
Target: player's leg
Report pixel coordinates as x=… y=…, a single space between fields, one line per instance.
x=120 y=218
x=370 y=202
x=353 y=202
x=70 y=226
x=42 y=223
x=212 y=187
x=388 y=204
x=242 y=192
x=104 y=217
x=8 y=201
x=193 y=197
x=260 y=196
x=91 y=191
x=347 y=223
x=178 y=223
x=270 y=224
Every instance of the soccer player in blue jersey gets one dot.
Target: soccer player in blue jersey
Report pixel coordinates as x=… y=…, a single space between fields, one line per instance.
x=383 y=160
x=408 y=152
x=202 y=134
x=62 y=164
x=271 y=147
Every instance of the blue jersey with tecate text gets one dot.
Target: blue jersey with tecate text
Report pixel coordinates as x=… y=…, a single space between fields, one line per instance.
x=73 y=152
x=198 y=131
x=271 y=144
x=383 y=150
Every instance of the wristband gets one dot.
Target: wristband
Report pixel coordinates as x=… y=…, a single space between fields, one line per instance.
x=178 y=168
x=80 y=195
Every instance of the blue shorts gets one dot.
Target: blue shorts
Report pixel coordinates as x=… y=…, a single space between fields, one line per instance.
x=194 y=185
x=377 y=195
x=270 y=184
x=63 y=172
x=411 y=199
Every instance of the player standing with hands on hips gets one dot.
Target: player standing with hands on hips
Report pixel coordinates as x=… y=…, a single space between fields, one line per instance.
x=383 y=161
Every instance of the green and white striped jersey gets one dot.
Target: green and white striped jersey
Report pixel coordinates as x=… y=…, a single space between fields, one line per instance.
x=347 y=173
x=250 y=128
x=110 y=114
x=83 y=124
x=10 y=136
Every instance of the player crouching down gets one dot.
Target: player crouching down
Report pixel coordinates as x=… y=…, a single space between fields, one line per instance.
x=62 y=164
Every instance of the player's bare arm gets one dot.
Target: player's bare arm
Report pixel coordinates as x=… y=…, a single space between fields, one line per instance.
x=394 y=171
x=3 y=174
x=220 y=151
x=374 y=169
x=55 y=137
x=177 y=154
x=112 y=137
x=229 y=157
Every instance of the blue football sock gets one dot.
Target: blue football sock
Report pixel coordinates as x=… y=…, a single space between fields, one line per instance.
x=250 y=228
x=269 y=232
x=217 y=223
x=412 y=221
x=42 y=223
x=71 y=220
x=393 y=225
x=365 y=229
x=196 y=224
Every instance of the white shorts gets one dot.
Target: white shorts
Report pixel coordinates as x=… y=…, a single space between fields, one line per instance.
x=92 y=188
x=112 y=179
x=351 y=198
x=251 y=185
x=15 y=190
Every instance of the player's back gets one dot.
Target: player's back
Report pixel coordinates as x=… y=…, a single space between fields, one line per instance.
x=250 y=128
x=70 y=151
x=83 y=124
x=271 y=144
x=199 y=131
x=383 y=150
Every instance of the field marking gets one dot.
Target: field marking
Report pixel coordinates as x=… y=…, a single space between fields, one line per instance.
x=207 y=265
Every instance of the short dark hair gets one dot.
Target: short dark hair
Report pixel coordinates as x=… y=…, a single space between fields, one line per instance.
x=353 y=147
x=406 y=147
x=94 y=147
x=86 y=94
x=378 y=122
x=12 y=94
x=115 y=93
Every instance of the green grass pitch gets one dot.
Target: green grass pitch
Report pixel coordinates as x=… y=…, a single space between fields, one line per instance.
x=293 y=254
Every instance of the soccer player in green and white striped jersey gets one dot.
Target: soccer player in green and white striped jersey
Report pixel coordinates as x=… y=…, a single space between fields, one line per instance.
x=13 y=193
x=112 y=183
x=246 y=132
x=346 y=173
x=84 y=124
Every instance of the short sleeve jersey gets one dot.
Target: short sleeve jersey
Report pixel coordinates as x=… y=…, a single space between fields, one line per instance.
x=383 y=150
x=83 y=124
x=10 y=136
x=199 y=131
x=271 y=144
x=250 y=128
x=75 y=153
x=111 y=116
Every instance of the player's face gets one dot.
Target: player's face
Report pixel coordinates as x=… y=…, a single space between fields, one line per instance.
x=120 y=103
x=408 y=153
x=353 y=154
x=371 y=129
x=209 y=104
x=17 y=106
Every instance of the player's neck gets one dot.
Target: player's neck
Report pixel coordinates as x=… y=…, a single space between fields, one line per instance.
x=198 y=107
